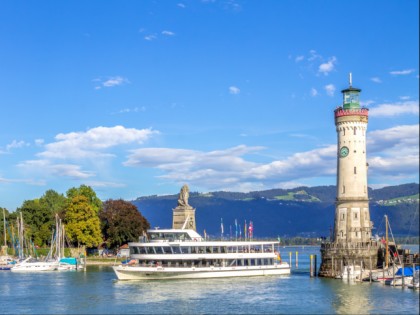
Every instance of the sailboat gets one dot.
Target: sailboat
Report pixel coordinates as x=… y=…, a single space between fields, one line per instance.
x=30 y=264
x=6 y=262
x=64 y=263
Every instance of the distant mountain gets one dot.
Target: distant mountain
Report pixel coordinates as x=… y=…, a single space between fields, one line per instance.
x=301 y=211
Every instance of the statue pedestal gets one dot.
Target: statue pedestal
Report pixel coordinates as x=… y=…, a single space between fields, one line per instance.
x=181 y=214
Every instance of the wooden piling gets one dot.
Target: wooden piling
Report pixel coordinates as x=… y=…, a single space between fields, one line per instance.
x=311 y=273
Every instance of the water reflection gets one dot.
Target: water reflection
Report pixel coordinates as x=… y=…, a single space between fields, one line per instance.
x=351 y=298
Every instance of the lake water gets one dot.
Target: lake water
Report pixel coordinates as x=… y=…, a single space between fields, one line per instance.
x=96 y=291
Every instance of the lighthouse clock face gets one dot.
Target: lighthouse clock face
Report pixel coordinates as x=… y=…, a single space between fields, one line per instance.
x=344 y=151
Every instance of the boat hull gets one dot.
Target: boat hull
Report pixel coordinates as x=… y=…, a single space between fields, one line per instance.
x=160 y=273
x=34 y=267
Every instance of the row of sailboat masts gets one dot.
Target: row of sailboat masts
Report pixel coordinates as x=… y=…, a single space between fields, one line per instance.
x=57 y=240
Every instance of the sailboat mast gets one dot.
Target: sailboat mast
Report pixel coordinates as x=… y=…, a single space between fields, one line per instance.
x=386 y=242
x=4 y=221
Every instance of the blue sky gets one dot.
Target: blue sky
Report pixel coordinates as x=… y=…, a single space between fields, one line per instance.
x=136 y=98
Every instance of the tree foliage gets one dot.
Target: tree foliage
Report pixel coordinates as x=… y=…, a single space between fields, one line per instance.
x=121 y=222
x=82 y=222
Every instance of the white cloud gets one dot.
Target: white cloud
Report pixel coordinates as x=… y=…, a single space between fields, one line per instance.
x=376 y=80
x=314 y=92
x=228 y=168
x=395 y=109
x=39 y=142
x=110 y=82
x=328 y=66
x=91 y=143
x=115 y=81
x=330 y=89
x=391 y=152
x=181 y=5
x=313 y=55
x=234 y=90
x=16 y=145
x=168 y=33
x=402 y=72
x=45 y=168
x=132 y=110
x=394 y=152
x=150 y=37
x=299 y=58
x=406 y=137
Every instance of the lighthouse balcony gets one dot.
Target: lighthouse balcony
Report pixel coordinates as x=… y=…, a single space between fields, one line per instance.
x=340 y=112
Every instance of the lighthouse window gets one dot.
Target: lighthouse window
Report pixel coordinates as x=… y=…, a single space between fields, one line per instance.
x=344 y=189
x=355 y=170
x=344 y=131
x=354 y=131
x=355 y=216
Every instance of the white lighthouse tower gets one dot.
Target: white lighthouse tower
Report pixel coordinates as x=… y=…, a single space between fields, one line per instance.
x=351 y=243
x=352 y=217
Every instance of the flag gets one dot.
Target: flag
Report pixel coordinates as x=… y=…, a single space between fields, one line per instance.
x=205 y=235
x=245 y=230
x=250 y=229
x=221 y=225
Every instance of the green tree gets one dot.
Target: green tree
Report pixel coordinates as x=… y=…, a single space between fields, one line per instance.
x=37 y=220
x=54 y=203
x=39 y=216
x=121 y=222
x=81 y=216
x=82 y=222
x=90 y=195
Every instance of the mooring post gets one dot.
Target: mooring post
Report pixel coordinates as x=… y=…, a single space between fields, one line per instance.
x=310 y=266
x=296 y=259
x=315 y=268
x=290 y=259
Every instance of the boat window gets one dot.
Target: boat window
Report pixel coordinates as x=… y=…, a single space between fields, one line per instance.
x=158 y=250
x=134 y=250
x=176 y=250
x=253 y=262
x=142 y=250
x=149 y=250
x=167 y=249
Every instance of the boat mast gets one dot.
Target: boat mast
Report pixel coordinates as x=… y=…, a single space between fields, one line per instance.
x=4 y=221
x=386 y=242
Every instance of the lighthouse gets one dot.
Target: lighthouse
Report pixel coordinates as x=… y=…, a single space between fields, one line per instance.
x=352 y=218
x=351 y=243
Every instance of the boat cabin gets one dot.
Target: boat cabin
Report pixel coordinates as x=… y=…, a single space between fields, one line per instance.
x=170 y=235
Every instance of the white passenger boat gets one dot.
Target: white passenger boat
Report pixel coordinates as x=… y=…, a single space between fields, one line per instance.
x=184 y=254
